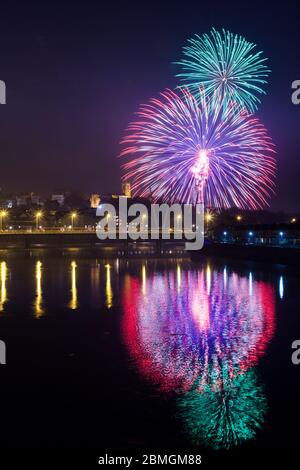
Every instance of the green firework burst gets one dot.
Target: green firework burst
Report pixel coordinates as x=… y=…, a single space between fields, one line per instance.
x=224 y=61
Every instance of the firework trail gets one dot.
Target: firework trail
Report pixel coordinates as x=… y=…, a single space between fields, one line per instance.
x=226 y=62
x=180 y=143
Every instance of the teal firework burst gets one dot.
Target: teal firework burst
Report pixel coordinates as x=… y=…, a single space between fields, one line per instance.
x=227 y=62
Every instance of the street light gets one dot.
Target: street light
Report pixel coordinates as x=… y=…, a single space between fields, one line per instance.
x=2 y=215
x=238 y=218
x=73 y=217
x=38 y=215
x=208 y=217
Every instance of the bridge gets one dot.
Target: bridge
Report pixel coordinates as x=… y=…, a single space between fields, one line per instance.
x=78 y=237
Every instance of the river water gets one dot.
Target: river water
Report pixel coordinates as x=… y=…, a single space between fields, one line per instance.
x=159 y=354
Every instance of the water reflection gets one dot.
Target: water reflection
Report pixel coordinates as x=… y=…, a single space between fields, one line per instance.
x=202 y=341
x=3 y=278
x=95 y=279
x=208 y=279
x=38 y=290
x=73 y=304
x=281 y=287
x=144 y=279
x=226 y=416
x=195 y=332
x=225 y=276
x=178 y=277
x=250 y=284
x=108 y=289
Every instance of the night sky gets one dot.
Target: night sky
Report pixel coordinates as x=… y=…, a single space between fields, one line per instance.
x=76 y=72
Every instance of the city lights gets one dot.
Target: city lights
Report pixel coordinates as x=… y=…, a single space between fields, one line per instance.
x=73 y=217
x=38 y=216
x=3 y=214
x=208 y=217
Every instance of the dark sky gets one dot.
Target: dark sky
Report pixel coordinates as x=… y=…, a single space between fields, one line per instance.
x=76 y=72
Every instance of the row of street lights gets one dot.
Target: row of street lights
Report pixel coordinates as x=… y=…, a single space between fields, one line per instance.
x=209 y=217
x=38 y=216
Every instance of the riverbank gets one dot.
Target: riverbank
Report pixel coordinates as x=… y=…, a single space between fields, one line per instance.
x=260 y=254
x=70 y=243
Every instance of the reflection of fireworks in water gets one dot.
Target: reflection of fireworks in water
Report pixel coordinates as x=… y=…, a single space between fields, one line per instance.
x=186 y=338
x=226 y=417
x=200 y=333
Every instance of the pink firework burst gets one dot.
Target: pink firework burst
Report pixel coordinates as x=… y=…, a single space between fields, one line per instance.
x=180 y=148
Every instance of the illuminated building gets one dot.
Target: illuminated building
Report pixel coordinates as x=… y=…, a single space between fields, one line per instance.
x=95 y=201
x=126 y=189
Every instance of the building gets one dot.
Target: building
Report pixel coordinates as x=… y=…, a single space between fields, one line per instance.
x=6 y=203
x=22 y=200
x=29 y=199
x=35 y=199
x=59 y=198
x=95 y=200
x=126 y=189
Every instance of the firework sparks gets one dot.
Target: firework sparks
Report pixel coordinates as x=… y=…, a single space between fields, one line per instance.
x=224 y=61
x=181 y=143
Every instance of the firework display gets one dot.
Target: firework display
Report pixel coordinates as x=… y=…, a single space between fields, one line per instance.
x=180 y=143
x=227 y=62
x=206 y=330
